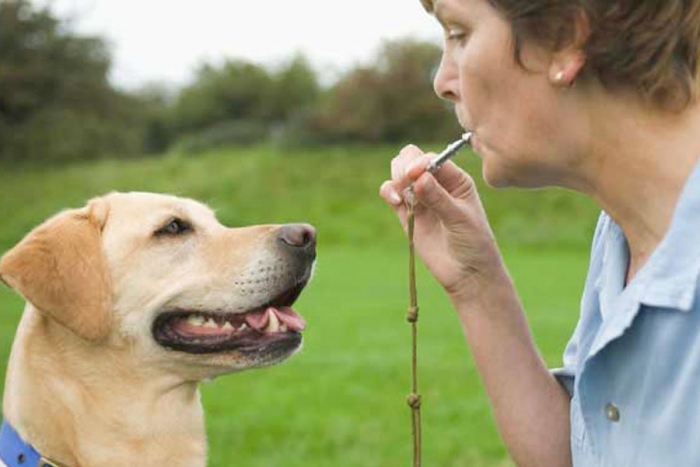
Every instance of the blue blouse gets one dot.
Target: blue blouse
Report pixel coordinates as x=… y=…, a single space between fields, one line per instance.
x=632 y=366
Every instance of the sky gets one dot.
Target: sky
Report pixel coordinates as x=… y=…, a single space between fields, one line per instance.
x=165 y=40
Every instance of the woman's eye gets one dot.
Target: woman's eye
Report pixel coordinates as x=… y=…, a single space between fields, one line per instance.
x=174 y=227
x=455 y=35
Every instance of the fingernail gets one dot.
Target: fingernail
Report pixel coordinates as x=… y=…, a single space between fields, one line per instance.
x=394 y=197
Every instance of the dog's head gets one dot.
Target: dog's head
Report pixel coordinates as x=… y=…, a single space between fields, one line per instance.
x=159 y=275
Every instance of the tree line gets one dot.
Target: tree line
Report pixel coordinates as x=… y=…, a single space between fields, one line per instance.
x=57 y=104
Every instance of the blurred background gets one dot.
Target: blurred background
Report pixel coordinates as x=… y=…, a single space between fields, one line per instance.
x=274 y=112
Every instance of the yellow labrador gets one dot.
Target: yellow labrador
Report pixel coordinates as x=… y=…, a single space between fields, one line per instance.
x=131 y=301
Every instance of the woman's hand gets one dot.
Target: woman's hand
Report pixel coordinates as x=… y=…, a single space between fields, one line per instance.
x=452 y=234
x=453 y=237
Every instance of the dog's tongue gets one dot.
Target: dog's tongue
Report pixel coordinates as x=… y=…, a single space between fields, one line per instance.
x=259 y=319
x=291 y=318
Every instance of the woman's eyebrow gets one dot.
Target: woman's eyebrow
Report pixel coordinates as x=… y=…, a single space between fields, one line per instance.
x=438 y=10
x=442 y=12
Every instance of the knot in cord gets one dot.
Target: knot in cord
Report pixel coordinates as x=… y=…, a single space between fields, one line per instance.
x=412 y=314
x=414 y=401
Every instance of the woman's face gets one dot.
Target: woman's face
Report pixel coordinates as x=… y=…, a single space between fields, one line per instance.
x=523 y=123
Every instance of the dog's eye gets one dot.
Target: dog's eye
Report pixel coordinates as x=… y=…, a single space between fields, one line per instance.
x=174 y=227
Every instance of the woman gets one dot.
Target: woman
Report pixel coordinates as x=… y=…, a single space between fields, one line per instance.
x=599 y=96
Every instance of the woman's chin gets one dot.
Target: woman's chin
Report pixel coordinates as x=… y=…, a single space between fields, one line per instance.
x=512 y=179
x=492 y=172
x=494 y=177
x=496 y=174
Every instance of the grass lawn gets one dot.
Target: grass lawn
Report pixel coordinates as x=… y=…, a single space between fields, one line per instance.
x=341 y=401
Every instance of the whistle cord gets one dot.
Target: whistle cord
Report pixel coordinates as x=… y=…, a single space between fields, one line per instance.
x=414 y=399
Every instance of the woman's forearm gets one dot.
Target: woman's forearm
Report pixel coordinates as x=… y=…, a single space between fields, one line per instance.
x=530 y=406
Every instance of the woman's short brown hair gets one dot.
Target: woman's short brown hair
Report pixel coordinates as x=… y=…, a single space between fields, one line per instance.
x=651 y=46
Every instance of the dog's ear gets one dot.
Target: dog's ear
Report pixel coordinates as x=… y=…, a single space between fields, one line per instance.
x=60 y=268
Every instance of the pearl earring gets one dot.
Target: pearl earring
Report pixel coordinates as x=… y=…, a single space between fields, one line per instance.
x=559 y=78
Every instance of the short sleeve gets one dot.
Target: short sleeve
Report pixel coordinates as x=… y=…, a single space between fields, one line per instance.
x=566 y=375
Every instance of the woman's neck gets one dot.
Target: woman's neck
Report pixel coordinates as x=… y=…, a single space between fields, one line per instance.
x=640 y=160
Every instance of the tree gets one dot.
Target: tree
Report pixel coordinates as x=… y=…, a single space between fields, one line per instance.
x=55 y=99
x=240 y=102
x=236 y=90
x=392 y=100
x=296 y=88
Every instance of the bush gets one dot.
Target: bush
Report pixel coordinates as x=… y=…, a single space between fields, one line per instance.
x=390 y=101
x=56 y=103
x=63 y=135
x=226 y=133
x=239 y=101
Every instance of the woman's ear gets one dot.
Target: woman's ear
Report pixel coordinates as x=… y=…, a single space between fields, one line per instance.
x=60 y=268
x=568 y=61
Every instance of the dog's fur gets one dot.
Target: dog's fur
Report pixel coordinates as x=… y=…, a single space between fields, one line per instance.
x=88 y=384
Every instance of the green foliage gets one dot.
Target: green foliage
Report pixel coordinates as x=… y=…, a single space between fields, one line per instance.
x=55 y=100
x=61 y=134
x=154 y=101
x=240 y=103
x=31 y=43
x=239 y=132
x=392 y=100
x=236 y=90
x=295 y=89
x=57 y=105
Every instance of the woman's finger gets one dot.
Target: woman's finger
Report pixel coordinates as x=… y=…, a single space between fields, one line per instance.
x=395 y=201
x=410 y=171
x=436 y=198
x=455 y=180
x=389 y=193
x=450 y=176
x=403 y=160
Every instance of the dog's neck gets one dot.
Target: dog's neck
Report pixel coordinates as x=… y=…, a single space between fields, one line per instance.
x=64 y=401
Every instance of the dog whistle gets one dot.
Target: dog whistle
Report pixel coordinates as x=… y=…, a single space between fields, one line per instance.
x=449 y=152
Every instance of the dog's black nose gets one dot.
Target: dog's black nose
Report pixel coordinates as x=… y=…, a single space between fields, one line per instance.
x=301 y=236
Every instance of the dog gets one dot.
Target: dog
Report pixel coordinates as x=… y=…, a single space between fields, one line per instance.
x=132 y=301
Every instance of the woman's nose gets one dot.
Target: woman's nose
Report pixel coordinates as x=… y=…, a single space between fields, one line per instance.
x=446 y=81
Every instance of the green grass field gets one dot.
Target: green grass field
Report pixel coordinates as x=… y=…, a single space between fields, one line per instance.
x=341 y=401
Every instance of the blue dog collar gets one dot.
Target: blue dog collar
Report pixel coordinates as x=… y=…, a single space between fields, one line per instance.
x=14 y=452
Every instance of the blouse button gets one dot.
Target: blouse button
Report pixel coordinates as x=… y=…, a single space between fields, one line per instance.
x=612 y=413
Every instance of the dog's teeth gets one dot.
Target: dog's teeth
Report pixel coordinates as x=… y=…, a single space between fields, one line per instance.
x=195 y=320
x=227 y=326
x=243 y=327
x=283 y=327
x=211 y=324
x=274 y=323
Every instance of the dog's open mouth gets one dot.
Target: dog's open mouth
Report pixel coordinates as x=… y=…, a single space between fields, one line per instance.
x=275 y=325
